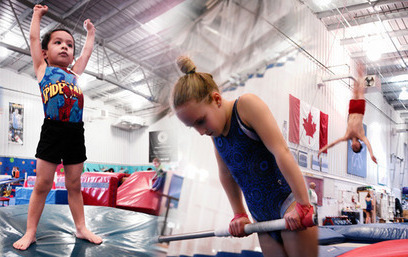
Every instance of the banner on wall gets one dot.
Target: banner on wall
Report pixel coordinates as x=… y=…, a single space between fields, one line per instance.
x=162 y=145
x=357 y=162
x=307 y=124
x=16 y=123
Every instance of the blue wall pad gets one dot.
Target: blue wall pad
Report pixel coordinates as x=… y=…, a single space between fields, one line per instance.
x=227 y=254
x=55 y=196
x=247 y=253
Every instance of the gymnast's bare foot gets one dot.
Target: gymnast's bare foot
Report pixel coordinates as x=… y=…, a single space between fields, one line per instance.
x=88 y=235
x=24 y=242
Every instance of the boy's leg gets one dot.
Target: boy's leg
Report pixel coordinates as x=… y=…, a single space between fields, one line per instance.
x=359 y=85
x=76 y=204
x=43 y=185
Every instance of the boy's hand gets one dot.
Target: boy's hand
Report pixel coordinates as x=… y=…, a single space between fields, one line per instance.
x=40 y=9
x=88 y=26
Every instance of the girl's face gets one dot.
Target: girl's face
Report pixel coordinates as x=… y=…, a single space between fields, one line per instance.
x=60 y=51
x=206 y=118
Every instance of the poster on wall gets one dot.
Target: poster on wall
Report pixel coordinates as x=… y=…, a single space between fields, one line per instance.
x=294 y=153
x=357 y=162
x=315 y=162
x=302 y=161
x=319 y=188
x=16 y=123
x=162 y=145
x=324 y=163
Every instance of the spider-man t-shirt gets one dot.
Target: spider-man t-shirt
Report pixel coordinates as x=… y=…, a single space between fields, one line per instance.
x=62 y=98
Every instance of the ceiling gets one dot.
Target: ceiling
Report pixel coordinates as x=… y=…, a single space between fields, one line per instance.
x=133 y=64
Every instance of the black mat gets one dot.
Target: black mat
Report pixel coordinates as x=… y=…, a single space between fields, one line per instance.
x=124 y=233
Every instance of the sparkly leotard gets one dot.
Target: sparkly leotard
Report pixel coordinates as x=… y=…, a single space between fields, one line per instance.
x=255 y=170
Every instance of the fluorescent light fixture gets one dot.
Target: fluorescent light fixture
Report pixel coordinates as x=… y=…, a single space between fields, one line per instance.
x=374 y=48
x=404 y=94
x=321 y=3
x=3 y=52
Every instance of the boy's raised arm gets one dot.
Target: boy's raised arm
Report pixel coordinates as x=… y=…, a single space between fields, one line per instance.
x=35 y=43
x=80 y=64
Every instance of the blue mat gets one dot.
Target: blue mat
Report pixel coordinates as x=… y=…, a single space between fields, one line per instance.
x=372 y=233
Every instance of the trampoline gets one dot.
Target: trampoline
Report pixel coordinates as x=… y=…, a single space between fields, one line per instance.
x=124 y=233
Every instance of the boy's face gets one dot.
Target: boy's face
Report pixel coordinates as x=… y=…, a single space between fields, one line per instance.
x=60 y=52
x=356 y=146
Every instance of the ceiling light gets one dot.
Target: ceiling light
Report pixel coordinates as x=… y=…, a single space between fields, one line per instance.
x=321 y=3
x=374 y=49
x=404 y=94
x=3 y=52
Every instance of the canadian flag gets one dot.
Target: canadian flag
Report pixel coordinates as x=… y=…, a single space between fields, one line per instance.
x=307 y=124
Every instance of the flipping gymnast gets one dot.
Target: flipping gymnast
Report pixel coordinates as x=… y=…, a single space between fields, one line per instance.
x=355 y=129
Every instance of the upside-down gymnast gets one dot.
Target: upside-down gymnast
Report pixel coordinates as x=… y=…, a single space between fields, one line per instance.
x=355 y=129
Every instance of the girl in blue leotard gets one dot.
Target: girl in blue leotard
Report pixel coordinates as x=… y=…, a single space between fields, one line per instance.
x=252 y=157
x=369 y=208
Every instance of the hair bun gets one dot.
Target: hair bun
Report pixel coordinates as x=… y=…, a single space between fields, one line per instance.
x=186 y=65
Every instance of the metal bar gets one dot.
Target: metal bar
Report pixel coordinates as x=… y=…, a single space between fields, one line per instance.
x=110 y=63
x=130 y=73
x=196 y=235
x=22 y=17
x=147 y=82
x=19 y=24
x=355 y=7
x=365 y=20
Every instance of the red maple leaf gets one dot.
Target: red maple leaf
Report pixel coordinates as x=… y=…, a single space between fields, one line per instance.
x=309 y=126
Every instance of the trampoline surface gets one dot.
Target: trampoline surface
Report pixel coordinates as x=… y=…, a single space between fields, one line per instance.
x=124 y=233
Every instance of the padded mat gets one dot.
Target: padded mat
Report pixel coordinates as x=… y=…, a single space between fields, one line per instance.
x=124 y=233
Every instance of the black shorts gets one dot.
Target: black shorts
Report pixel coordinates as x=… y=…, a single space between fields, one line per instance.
x=62 y=141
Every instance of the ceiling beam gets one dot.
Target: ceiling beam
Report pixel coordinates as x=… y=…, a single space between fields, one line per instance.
x=120 y=8
x=81 y=31
x=402 y=83
x=360 y=39
x=98 y=76
x=357 y=21
x=387 y=71
x=146 y=16
x=21 y=17
x=360 y=54
x=356 y=7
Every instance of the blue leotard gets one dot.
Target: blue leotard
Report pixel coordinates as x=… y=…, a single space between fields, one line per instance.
x=62 y=98
x=369 y=206
x=255 y=170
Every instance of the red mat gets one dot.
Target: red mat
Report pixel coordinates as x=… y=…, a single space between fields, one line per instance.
x=391 y=248
x=135 y=194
